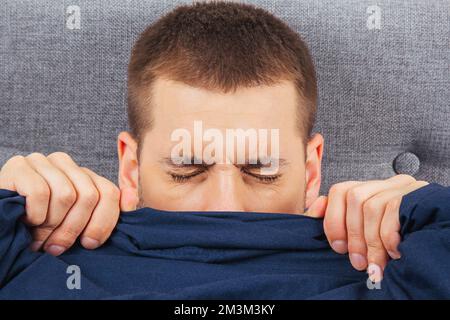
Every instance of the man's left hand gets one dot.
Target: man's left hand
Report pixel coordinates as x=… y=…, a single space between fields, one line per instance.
x=362 y=218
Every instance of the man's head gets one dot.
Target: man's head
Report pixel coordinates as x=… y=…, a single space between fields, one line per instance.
x=227 y=66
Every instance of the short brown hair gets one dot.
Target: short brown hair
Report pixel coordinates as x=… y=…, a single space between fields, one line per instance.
x=220 y=45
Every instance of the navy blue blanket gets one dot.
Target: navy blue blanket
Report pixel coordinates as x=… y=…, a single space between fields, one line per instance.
x=226 y=255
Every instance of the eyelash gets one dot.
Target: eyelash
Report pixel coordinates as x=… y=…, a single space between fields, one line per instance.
x=184 y=178
x=265 y=179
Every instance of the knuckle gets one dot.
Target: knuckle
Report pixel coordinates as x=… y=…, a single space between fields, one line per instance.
x=17 y=158
x=41 y=192
x=332 y=226
x=411 y=178
x=40 y=233
x=422 y=183
x=355 y=195
x=111 y=191
x=334 y=188
x=374 y=244
x=329 y=230
x=99 y=231
x=66 y=197
x=371 y=208
x=393 y=203
x=385 y=237
x=36 y=219
x=14 y=161
x=85 y=169
x=354 y=235
x=47 y=227
x=406 y=177
x=35 y=155
x=67 y=235
x=357 y=247
x=388 y=239
x=58 y=155
x=338 y=188
x=89 y=197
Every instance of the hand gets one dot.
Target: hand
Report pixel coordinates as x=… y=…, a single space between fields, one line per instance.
x=63 y=201
x=362 y=218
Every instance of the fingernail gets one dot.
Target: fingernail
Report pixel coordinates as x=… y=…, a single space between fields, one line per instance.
x=55 y=250
x=358 y=261
x=89 y=243
x=394 y=254
x=340 y=246
x=375 y=272
x=36 y=245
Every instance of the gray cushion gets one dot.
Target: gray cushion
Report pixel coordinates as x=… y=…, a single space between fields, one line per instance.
x=383 y=92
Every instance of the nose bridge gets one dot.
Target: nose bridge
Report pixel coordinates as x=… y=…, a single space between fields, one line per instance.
x=226 y=189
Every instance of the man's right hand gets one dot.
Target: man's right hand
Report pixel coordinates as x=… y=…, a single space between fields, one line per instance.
x=63 y=201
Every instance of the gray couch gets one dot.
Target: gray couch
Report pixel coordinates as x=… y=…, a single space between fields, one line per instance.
x=384 y=80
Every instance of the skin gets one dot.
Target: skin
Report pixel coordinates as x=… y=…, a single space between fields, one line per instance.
x=223 y=187
x=65 y=201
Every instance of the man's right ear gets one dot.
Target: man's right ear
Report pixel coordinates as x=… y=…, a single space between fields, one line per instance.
x=313 y=168
x=128 y=171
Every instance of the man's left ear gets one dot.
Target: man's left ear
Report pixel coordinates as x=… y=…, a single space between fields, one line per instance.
x=313 y=166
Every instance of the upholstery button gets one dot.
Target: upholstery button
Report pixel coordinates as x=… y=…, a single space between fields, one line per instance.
x=406 y=163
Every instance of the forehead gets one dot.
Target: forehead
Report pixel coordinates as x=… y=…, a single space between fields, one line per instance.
x=176 y=105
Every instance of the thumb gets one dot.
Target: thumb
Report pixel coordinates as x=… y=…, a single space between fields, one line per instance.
x=128 y=199
x=318 y=208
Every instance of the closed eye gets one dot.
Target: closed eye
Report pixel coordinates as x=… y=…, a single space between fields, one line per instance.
x=261 y=177
x=184 y=177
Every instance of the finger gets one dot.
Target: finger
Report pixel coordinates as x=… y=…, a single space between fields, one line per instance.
x=390 y=225
x=17 y=175
x=78 y=216
x=373 y=210
x=128 y=199
x=62 y=197
x=390 y=228
x=356 y=197
x=318 y=207
x=334 y=221
x=105 y=216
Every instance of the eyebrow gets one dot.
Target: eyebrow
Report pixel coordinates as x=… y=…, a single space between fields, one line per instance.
x=201 y=164
x=194 y=162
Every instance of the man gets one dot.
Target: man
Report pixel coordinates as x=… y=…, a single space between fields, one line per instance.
x=226 y=66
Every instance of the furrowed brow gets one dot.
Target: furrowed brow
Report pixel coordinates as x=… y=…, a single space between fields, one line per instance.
x=190 y=163
x=258 y=163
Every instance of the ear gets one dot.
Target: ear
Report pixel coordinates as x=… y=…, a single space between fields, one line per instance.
x=313 y=166
x=128 y=171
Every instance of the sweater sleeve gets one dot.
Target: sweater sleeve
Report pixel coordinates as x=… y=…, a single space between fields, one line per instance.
x=423 y=270
x=15 y=238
